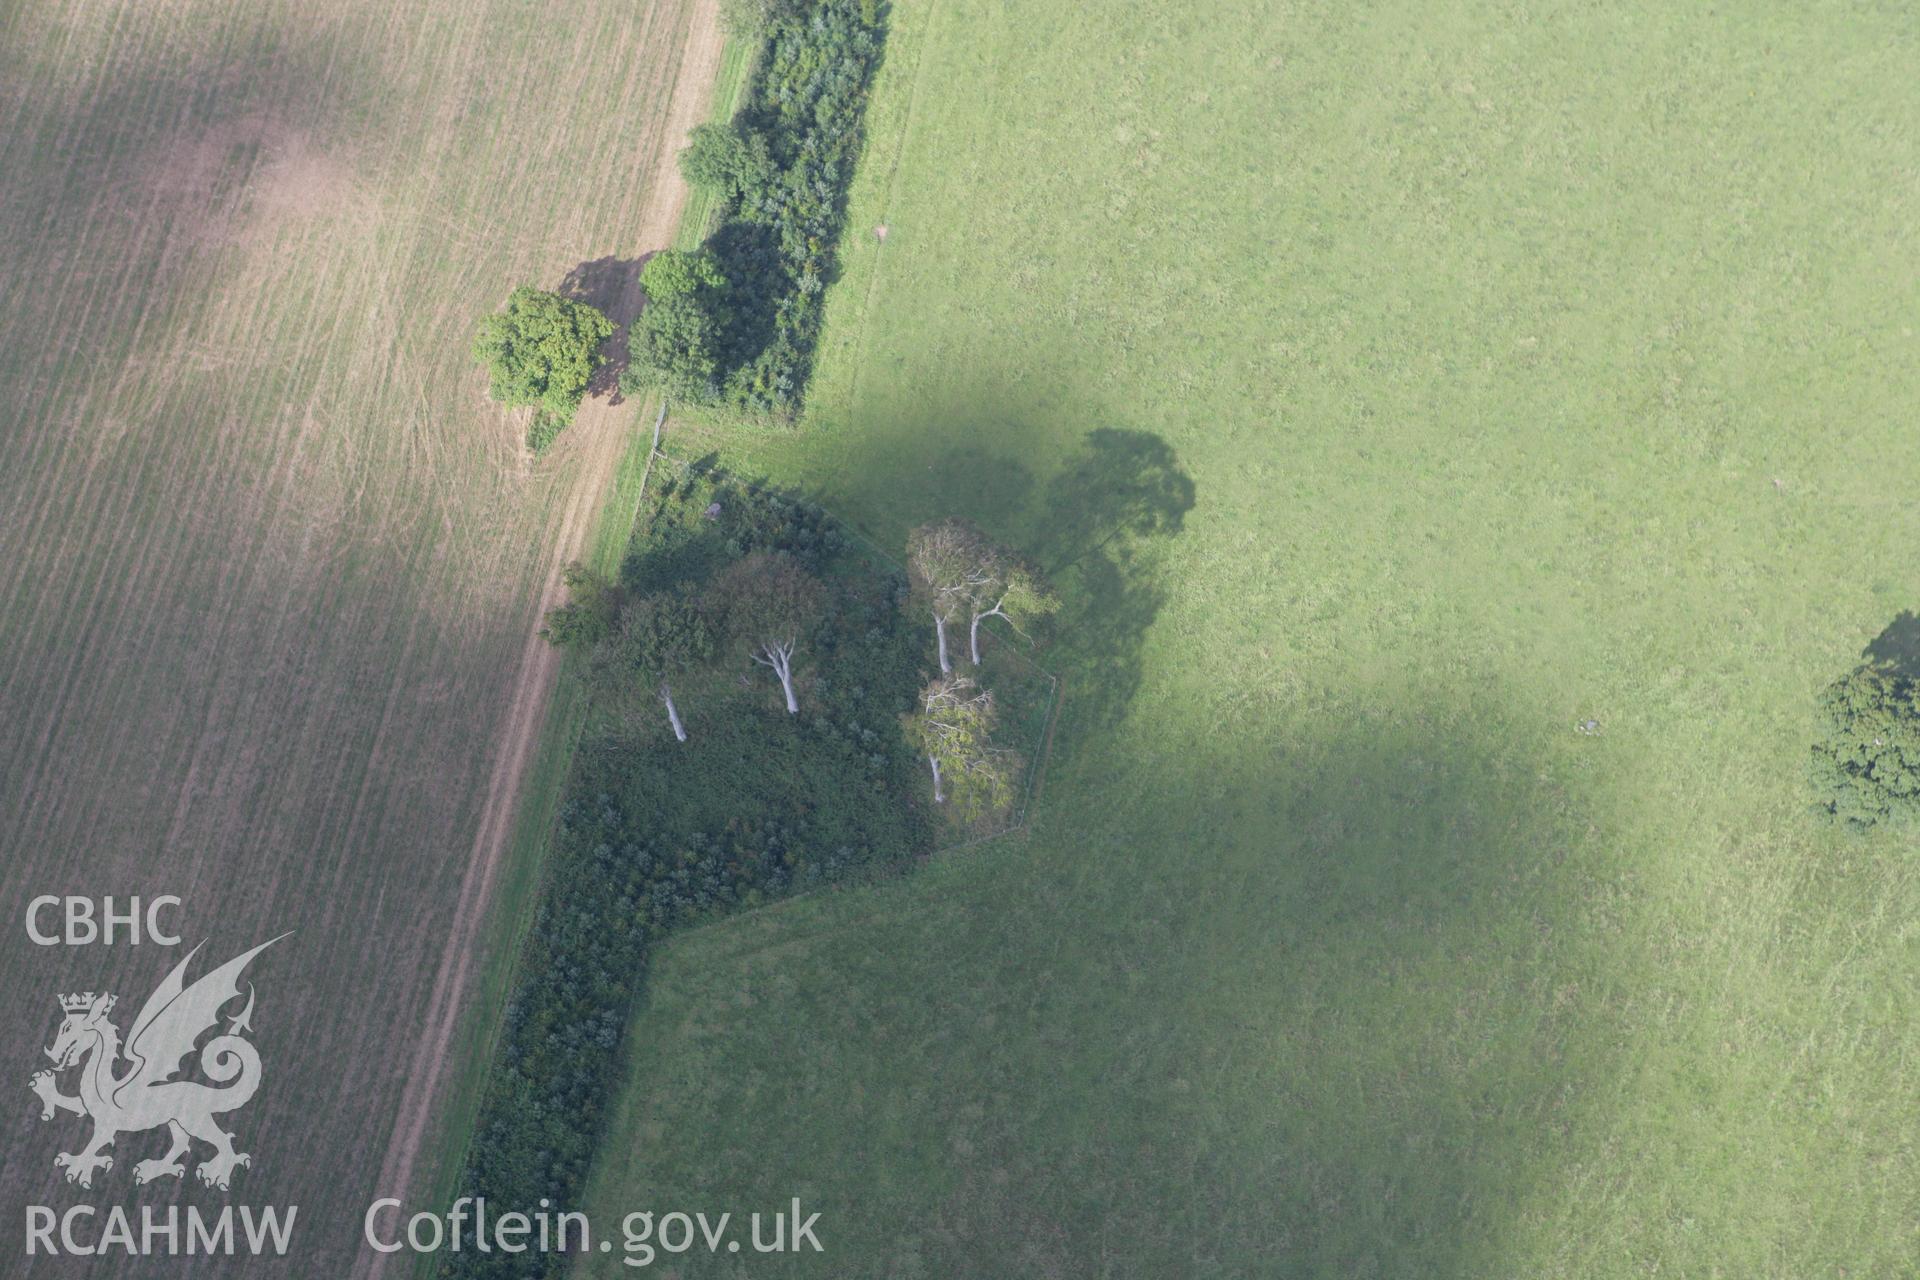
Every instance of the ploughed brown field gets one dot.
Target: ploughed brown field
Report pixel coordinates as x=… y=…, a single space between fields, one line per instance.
x=270 y=563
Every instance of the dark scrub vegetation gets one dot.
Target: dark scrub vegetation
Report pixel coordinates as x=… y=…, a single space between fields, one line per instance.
x=657 y=832
x=743 y=328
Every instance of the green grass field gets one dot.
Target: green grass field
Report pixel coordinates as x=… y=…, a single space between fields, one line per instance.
x=1391 y=391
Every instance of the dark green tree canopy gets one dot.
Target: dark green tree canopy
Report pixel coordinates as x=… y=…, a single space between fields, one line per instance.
x=676 y=341
x=542 y=350
x=665 y=636
x=662 y=646
x=1866 y=764
x=771 y=605
x=768 y=597
x=591 y=612
x=727 y=160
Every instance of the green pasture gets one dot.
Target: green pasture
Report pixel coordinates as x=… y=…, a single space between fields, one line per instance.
x=1392 y=390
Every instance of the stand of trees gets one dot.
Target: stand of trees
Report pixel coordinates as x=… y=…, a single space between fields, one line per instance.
x=541 y=352
x=592 y=608
x=763 y=608
x=959 y=572
x=691 y=795
x=746 y=335
x=943 y=563
x=955 y=730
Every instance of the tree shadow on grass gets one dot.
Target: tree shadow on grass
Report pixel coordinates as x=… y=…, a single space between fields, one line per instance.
x=1104 y=521
x=1897 y=647
x=1323 y=1001
x=1336 y=998
x=1097 y=526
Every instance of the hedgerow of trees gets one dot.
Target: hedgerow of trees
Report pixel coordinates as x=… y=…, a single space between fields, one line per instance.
x=542 y=351
x=746 y=335
x=693 y=792
x=1866 y=762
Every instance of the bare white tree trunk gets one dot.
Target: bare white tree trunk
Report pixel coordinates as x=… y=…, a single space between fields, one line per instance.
x=673 y=713
x=939 y=797
x=981 y=616
x=940 y=630
x=786 y=685
x=778 y=654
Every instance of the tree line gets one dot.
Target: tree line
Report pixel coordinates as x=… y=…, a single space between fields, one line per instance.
x=737 y=320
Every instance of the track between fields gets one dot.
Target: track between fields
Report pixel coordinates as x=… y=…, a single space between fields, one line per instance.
x=601 y=428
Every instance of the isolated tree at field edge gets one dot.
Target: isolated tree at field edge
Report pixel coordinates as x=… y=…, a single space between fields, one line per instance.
x=1866 y=762
x=542 y=350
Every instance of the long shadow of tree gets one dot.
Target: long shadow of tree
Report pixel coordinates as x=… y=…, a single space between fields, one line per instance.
x=1103 y=523
x=1897 y=647
x=1097 y=527
x=612 y=286
x=1338 y=1003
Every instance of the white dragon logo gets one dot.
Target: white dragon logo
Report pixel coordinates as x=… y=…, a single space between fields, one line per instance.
x=146 y=1095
